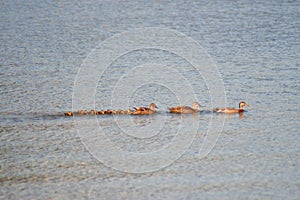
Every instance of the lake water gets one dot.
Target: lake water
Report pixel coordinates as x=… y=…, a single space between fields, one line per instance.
x=47 y=46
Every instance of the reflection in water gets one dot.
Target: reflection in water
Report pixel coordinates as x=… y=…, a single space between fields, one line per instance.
x=144 y=133
x=241 y=115
x=160 y=138
x=143 y=120
x=178 y=116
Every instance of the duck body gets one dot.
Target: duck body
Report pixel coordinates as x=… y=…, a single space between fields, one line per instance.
x=229 y=110
x=69 y=113
x=120 y=112
x=81 y=112
x=101 y=112
x=108 y=112
x=144 y=110
x=93 y=112
x=185 y=109
x=232 y=110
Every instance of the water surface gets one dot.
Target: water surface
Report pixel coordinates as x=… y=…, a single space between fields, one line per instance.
x=256 y=48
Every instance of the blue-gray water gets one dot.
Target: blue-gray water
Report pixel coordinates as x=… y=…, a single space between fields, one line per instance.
x=256 y=48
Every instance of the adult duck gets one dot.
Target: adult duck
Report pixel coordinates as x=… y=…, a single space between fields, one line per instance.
x=232 y=110
x=145 y=110
x=185 y=109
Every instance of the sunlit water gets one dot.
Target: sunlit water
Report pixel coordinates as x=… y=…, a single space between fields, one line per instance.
x=256 y=48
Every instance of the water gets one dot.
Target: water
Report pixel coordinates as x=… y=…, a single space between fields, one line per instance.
x=256 y=48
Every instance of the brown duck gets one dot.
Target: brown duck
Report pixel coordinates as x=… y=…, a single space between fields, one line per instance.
x=145 y=110
x=185 y=109
x=101 y=112
x=232 y=110
x=108 y=112
x=69 y=113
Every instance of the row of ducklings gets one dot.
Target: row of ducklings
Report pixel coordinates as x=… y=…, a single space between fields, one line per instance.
x=136 y=111
x=152 y=107
x=100 y=112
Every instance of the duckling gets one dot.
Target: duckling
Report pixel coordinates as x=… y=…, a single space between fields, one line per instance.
x=93 y=112
x=101 y=112
x=69 y=113
x=145 y=110
x=128 y=112
x=185 y=109
x=108 y=112
x=82 y=112
x=113 y=112
x=232 y=110
x=120 y=112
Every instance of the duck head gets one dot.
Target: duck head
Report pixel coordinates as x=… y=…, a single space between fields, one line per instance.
x=152 y=106
x=242 y=104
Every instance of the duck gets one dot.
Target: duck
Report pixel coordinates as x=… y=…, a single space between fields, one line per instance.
x=145 y=110
x=108 y=112
x=185 y=109
x=93 y=112
x=120 y=112
x=232 y=110
x=82 y=112
x=69 y=113
x=101 y=112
